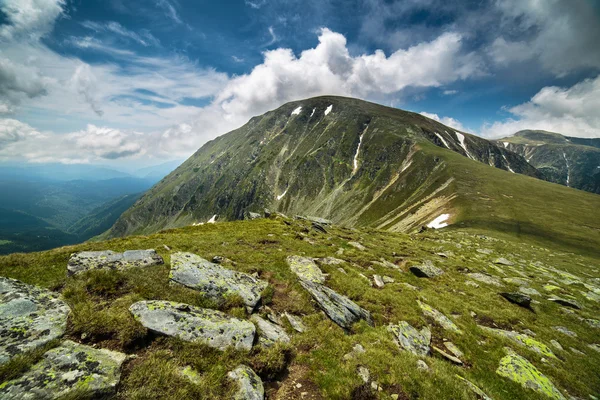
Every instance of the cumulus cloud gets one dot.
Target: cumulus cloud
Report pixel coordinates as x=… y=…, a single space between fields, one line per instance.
x=571 y=111
x=330 y=69
x=29 y=19
x=84 y=82
x=19 y=81
x=561 y=34
x=448 y=121
x=12 y=131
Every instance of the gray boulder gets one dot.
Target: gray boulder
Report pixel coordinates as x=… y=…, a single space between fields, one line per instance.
x=485 y=278
x=29 y=317
x=410 y=339
x=305 y=268
x=214 y=280
x=70 y=370
x=565 y=302
x=426 y=270
x=269 y=333
x=340 y=309
x=295 y=322
x=194 y=324
x=438 y=317
x=517 y=298
x=503 y=261
x=250 y=387
x=253 y=215
x=107 y=259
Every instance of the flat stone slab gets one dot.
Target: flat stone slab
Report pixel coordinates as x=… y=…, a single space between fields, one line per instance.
x=194 y=324
x=69 y=369
x=503 y=261
x=438 y=317
x=213 y=280
x=250 y=386
x=29 y=317
x=565 y=302
x=340 y=309
x=269 y=333
x=520 y=370
x=474 y=388
x=305 y=268
x=522 y=340
x=410 y=339
x=484 y=278
x=426 y=270
x=107 y=259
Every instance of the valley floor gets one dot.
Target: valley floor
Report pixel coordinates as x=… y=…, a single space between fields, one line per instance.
x=320 y=362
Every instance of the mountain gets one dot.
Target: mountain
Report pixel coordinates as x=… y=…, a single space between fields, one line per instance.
x=59 y=172
x=569 y=161
x=361 y=164
x=157 y=172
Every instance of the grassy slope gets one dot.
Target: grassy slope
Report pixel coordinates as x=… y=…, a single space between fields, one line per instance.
x=315 y=358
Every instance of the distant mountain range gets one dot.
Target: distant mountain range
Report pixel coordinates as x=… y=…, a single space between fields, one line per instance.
x=46 y=206
x=569 y=161
x=361 y=164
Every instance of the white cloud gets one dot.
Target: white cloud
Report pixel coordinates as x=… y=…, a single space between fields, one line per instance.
x=449 y=92
x=448 y=121
x=144 y=37
x=12 y=131
x=571 y=111
x=330 y=69
x=29 y=19
x=561 y=34
x=169 y=10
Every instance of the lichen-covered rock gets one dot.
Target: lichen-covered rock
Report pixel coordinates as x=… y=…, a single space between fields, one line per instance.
x=454 y=349
x=68 y=370
x=330 y=261
x=250 y=387
x=564 y=331
x=194 y=324
x=357 y=246
x=426 y=270
x=523 y=340
x=213 y=280
x=474 y=388
x=269 y=333
x=306 y=269
x=529 y=291
x=565 y=302
x=29 y=317
x=520 y=370
x=417 y=342
x=340 y=309
x=485 y=278
x=438 y=317
x=447 y=356
x=503 y=261
x=107 y=259
x=517 y=298
x=295 y=322
x=594 y=323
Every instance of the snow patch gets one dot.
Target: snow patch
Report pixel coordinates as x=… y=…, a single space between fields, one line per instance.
x=212 y=220
x=442 y=139
x=313 y=112
x=507 y=164
x=505 y=144
x=461 y=139
x=439 y=222
x=568 y=169
x=296 y=111
x=281 y=195
x=360 y=139
x=328 y=110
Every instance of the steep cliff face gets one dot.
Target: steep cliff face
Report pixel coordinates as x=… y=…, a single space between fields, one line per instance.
x=348 y=160
x=569 y=161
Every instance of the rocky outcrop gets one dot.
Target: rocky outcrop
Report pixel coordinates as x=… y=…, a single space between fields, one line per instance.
x=426 y=270
x=340 y=309
x=485 y=278
x=194 y=324
x=269 y=333
x=214 y=280
x=70 y=370
x=522 y=340
x=250 y=387
x=410 y=339
x=109 y=260
x=306 y=269
x=29 y=317
x=520 y=370
x=438 y=317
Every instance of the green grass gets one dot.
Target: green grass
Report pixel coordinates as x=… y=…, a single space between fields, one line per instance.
x=100 y=301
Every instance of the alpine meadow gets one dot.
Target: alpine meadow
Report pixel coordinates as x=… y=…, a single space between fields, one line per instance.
x=304 y=200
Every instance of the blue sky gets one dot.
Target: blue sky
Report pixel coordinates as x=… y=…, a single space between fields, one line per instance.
x=142 y=81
